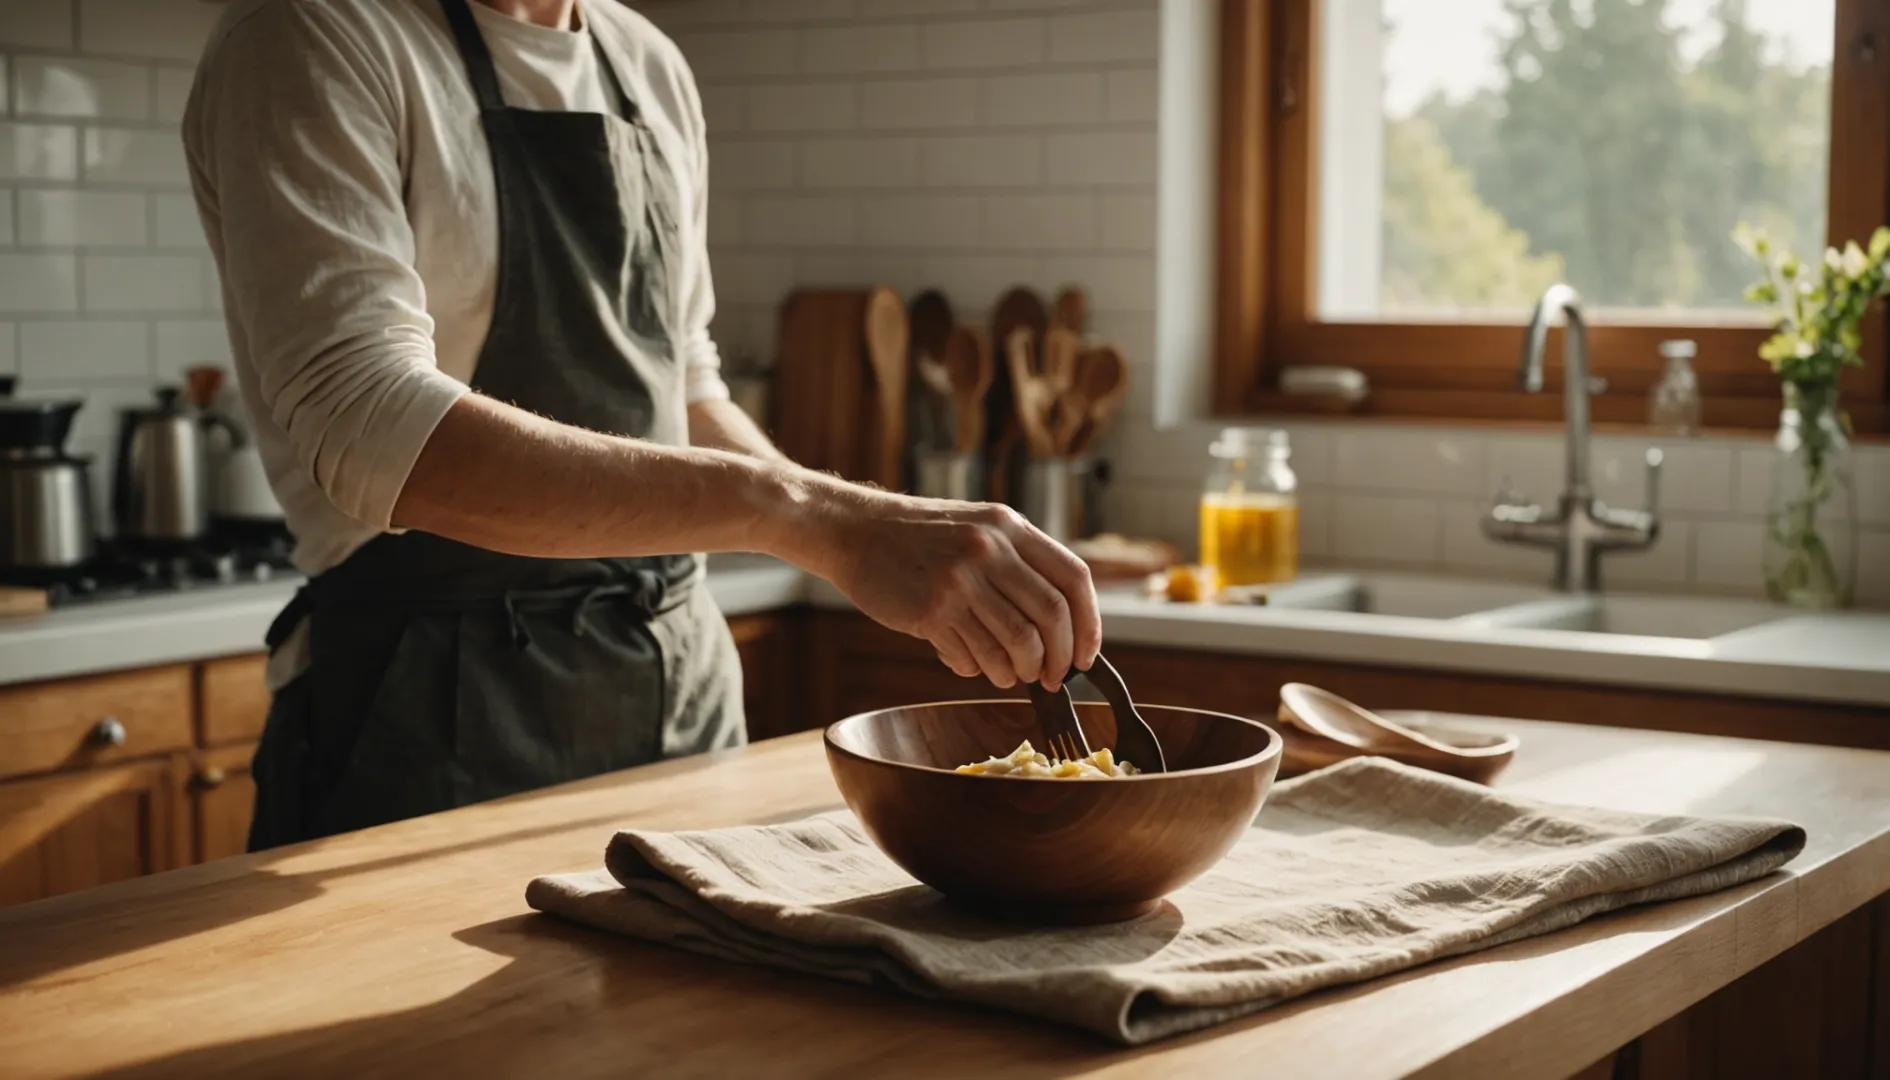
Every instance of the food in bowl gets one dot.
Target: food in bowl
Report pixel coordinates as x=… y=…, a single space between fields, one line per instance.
x=1026 y=761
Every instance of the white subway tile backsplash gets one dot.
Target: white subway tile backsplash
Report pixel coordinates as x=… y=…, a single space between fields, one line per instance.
x=163 y=29
x=824 y=106
x=1315 y=525
x=1668 y=563
x=1752 y=479
x=725 y=222
x=37 y=283
x=991 y=43
x=1127 y=221
x=1035 y=5
x=135 y=156
x=902 y=8
x=70 y=353
x=65 y=218
x=722 y=110
x=1728 y=554
x=919 y=222
x=982 y=161
x=857 y=49
x=1387 y=531
x=1105 y=36
x=753 y=278
x=1039 y=222
x=175 y=222
x=93 y=89
x=873 y=162
x=1403 y=460
x=673 y=14
x=1132 y=96
x=973 y=282
x=41 y=24
x=1696 y=476
x=142 y=283
x=794 y=11
x=1870 y=475
x=1110 y=158
x=794 y=220
x=38 y=152
x=1043 y=99
x=6 y=217
x=751 y=166
x=920 y=104
x=898 y=270
x=9 y=353
x=187 y=344
x=173 y=92
x=736 y=54
x=1115 y=282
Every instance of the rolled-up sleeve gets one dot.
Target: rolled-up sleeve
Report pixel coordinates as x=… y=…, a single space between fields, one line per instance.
x=703 y=362
x=292 y=132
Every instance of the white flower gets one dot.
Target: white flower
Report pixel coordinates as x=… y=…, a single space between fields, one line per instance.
x=1855 y=261
x=1834 y=260
x=1803 y=349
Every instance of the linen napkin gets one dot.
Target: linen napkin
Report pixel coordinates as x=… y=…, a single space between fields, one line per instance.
x=1359 y=870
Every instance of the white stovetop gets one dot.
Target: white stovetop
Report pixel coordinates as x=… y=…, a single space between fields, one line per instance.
x=1838 y=657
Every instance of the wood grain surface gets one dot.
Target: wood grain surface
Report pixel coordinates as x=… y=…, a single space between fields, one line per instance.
x=408 y=949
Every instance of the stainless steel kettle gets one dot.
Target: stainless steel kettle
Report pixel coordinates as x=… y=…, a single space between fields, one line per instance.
x=161 y=488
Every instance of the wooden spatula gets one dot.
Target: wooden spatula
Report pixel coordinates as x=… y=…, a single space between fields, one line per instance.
x=887 y=331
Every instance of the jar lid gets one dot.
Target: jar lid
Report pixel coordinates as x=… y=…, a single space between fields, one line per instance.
x=1236 y=442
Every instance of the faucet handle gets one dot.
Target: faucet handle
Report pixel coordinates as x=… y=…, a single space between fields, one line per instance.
x=1654 y=459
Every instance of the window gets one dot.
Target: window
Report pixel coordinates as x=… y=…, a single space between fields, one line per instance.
x=1402 y=178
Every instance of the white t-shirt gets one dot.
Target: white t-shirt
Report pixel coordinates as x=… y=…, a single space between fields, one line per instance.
x=345 y=186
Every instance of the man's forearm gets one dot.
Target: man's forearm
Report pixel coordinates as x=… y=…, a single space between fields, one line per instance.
x=722 y=425
x=505 y=479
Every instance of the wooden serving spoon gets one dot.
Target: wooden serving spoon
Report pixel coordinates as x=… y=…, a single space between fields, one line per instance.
x=1031 y=397
x=969 y=371
x=930 y=315
x=887 y=335
x=1102 y=381
x=1070 y=310
x=1341 y=729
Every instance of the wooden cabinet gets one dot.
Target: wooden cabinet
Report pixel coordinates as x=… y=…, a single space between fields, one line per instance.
x=98 y=720
x=74 y=830
x=222 y=797
x=233 y=700
x=772 y=655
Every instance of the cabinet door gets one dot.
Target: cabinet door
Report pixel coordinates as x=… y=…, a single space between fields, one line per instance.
x=222 y=796
x=234 y=699
x=766 y=644
x=72 y=831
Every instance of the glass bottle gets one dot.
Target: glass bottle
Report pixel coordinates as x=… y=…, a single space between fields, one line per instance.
x=1811 y=524
x=1249 y=509
x=1674 y=408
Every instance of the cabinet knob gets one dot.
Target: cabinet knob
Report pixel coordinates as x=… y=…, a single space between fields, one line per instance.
x=210 y=778
x=109 y=732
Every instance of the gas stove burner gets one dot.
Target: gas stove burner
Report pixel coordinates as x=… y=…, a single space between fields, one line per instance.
x=119 y=572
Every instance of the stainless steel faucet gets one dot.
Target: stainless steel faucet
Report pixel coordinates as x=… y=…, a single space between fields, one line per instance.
x=1580 y=529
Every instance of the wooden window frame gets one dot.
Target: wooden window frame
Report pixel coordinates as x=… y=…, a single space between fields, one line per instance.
x=1265 y=319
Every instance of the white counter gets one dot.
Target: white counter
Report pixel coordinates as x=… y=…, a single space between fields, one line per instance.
x=1840 y=657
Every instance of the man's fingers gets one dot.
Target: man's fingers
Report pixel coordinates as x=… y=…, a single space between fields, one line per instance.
x=1043 y=604
x=1069 y=575
x=955 y=654
x=992 y=658
x=1015 y=634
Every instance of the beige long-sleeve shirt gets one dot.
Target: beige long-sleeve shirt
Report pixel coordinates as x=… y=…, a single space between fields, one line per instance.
x=344 y=182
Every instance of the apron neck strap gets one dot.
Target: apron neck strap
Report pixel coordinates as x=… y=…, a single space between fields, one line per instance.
x=485 y=78
x=472 y=49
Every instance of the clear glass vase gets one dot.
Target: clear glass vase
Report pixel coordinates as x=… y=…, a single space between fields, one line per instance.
x=1811 y=524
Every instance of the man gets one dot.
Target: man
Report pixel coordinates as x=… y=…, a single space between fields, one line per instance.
x=462 y=245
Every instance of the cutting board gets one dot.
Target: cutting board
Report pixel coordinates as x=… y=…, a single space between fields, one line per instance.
x=826 y=407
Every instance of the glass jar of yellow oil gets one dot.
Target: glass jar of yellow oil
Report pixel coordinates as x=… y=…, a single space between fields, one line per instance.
x=1249 y=510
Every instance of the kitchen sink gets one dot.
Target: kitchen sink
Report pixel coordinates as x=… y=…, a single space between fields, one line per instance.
x=1649 y=616
x=1409 y=595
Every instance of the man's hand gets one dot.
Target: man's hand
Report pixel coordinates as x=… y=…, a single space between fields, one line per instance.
x=985 y=587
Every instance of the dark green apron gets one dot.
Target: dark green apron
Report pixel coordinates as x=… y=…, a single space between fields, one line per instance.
x=443 y=674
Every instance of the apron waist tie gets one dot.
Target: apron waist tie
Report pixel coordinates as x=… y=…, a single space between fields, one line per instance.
x=646 y=591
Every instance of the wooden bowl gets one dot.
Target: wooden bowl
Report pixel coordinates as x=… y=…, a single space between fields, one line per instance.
x=1043 y=850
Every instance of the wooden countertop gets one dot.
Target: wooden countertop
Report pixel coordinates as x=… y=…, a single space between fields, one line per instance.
x=409 y=950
